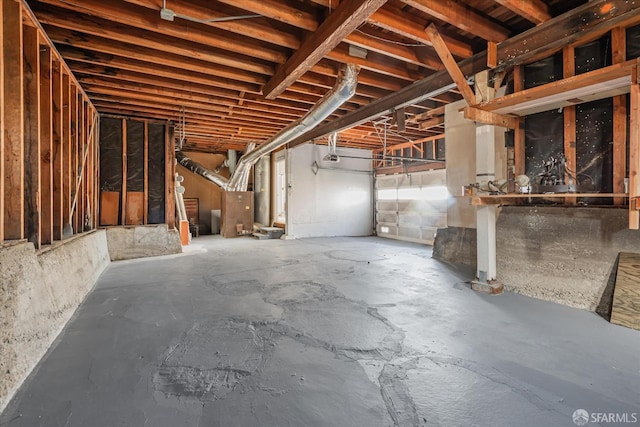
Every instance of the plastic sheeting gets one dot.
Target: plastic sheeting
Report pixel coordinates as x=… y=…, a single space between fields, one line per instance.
x=594 y=144
x=544 y=71
x=544 y=138
x=135 y=156
x=633 y=42
x=156 y=173
x=110 y=154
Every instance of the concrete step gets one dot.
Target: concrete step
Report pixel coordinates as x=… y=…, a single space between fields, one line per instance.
x=272 y=232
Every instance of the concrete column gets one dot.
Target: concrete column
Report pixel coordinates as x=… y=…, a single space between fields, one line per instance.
x=487 y=144
x=262 y=191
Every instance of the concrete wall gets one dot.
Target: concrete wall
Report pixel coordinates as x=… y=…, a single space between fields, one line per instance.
x=460 y=152
x=332 y=202
x=209 y=195
x=456 y=244
x=142 y=241
x=38 y=294
x=565 y=255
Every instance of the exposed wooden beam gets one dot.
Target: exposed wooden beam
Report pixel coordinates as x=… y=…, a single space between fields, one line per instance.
x=586 y=22
x=489 y=118
x=46 y=147
x=431 y=123
x=613 y=72
x=535 y=11
x=634 y=152
x=462 y=17
x=349 y=15
x=13 y=120
x=439 y=111
x=406 y=25
x=618 y=50
x=133 y=21
x=32 y=184
x=450 y=64
x=569 y=118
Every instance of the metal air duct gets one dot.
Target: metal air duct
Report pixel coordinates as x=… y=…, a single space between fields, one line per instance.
x=344 y=89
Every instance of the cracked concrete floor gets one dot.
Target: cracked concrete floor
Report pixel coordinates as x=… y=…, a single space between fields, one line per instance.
x=322 y=332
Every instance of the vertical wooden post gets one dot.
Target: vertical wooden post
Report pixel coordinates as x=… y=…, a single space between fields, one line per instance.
x=66 y=149
x=12 y=137
x=82 y=140
x=32 y=191
x=2 y=42
x=46 y=148
x=634 y=152
x=170 y=207
x=519 y=134
x=96 y=169
x=569 y=70
x=56 y=85
x=73 y=114
x=146 y=173
x=123 y=207
x=618 y=48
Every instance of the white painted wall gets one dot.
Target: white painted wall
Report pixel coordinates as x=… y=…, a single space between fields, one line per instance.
x=336 y=202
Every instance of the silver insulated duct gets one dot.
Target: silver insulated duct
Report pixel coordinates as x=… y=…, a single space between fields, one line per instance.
x=198 y=169
x=344 y=89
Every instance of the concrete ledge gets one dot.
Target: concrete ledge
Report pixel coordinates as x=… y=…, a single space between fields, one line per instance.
x=457 y=245
x=564 y=255
x=487 y=288
x=38 y=294
x=142 y=241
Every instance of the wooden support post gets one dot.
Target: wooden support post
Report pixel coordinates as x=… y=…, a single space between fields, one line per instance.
x=1 y=125
x=12 y=137
x=618 y=44
x=82 y=140
x=56 y=84
x=73 y=114
x=66 y=149
x=634 y=152
x=96 y=161
x=46 y=147
x=170 y=206
x=123 y=207
x=519 y=134
x=146 y=173
x=569 y=70
x=32 y=191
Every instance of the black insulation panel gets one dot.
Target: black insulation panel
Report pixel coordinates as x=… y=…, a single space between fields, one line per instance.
x=110 y=154
x=156 y=174
x=544 y=138
x=135 y=156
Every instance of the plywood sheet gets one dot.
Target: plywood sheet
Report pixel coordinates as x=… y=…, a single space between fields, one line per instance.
x=625 y=310
x=134 y=212
x=109 y=207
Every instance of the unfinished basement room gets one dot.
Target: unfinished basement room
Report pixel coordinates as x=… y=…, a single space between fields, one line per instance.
x=319 y=213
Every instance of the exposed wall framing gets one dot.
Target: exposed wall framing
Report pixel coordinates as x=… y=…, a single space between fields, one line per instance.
x=42 y=137
x=137 y=172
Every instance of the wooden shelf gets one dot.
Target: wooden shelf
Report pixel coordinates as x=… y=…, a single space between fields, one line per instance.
x=505 y=199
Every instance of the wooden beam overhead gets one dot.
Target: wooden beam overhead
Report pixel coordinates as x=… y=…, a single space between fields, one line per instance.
x=489 y=118
x=535 y=11
x=450 y=64
x=462 y=17
x=349 y=15
x=586 y=22
x=406 y=25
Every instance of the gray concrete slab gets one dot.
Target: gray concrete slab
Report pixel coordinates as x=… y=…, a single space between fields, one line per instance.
x=323 y=332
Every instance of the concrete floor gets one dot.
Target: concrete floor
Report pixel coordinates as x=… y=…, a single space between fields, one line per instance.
x=322 y=332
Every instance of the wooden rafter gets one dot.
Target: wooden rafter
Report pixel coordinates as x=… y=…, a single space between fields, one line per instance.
x=347 y=17
x=462 y=17
x=535 y=11
x=450 y=64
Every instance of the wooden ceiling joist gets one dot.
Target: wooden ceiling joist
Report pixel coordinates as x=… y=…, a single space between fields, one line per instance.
x=535 y=11
x=349 y=15
x=462 y=17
